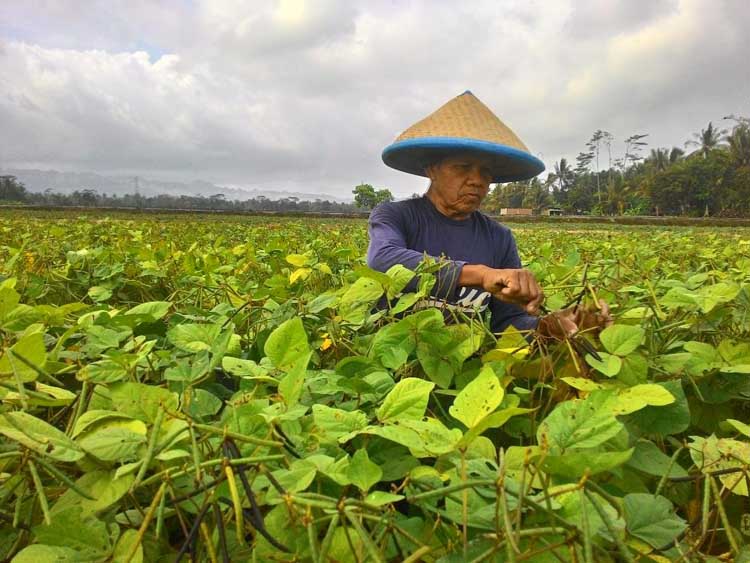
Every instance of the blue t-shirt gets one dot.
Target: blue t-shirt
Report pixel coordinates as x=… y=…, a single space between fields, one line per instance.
x=402 y=232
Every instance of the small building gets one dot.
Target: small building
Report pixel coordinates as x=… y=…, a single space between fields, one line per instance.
x=553 y=212
x=516 y=211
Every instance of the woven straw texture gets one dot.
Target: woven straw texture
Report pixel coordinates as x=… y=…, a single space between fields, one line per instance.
x=466 y=117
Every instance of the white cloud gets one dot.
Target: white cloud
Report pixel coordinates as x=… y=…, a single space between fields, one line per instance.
x=305 y=95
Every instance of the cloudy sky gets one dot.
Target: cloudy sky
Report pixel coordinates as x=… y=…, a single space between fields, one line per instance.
x=304 y=96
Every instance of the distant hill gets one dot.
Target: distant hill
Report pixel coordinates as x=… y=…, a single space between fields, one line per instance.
x=68 y=182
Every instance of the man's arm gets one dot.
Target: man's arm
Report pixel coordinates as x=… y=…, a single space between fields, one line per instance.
x=388 y=247
x=508 y=312
x=510 y=285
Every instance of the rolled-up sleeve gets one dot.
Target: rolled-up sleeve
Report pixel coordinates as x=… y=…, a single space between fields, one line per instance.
x=388 y=247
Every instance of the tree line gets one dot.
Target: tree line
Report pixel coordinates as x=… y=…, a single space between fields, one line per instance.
x=709 y=176
x=365 y=198
x=11 y=190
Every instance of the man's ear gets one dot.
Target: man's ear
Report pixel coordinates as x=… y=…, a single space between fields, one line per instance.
x=429 y=171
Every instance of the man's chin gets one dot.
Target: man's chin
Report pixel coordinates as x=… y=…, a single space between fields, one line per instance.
x=470 y=205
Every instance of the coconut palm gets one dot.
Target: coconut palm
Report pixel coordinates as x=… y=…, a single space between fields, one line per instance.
x=708 y=139
x=739 y=145
x=658 y=159
x=675 y=155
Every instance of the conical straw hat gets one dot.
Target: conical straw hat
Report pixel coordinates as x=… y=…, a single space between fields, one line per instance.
x=464 y=124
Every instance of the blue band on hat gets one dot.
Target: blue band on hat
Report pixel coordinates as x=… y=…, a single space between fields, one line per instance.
x=508 y=164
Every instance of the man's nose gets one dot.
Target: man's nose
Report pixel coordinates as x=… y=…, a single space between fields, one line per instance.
x=476 y=176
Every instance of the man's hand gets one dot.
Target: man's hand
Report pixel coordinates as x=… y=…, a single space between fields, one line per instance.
x=568 y=322
x=514 y=286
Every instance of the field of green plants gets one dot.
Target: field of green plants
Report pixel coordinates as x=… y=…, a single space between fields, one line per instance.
x=196 y=388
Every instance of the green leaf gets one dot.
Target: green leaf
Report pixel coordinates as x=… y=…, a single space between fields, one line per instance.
x=104 y=486
x=191 y=337
x=704 y=358
x=712 y=295
x=21 y=317
x=287 y=344
x=103 y=371
x=360 y=296
x=713 y=454
x=406 y=301
x=9 y=299
x=664 y=420
x=98 y=294
x=39 y=436
x=574 y=509
x=31 y=348
x=739 y=426
x=621 y=340
x=634 y=369
x=407 y=400
x=583 y=383
x=114 y=440
x=573 y=463
x=424 y=438
x=479 y=398
x=362 y=472
x=394 y=343
x=155 y=309
x=84 y=534
x=47 y=396
x=334 y=423
x=125 y=545
x=399 y=276
x=295 y=479
x=609 y=365
x=90 y=418
x=203 y=404
x=494 y=420
x=635 y=398
x=435 y=438
x=648 y=458
x=299 y=260
x=579 y=423
x=651 y=519
x=37 y=553
x=237 y=366
x=381 y=498
x=141 y=401
x=679 y=297
x=433 y=353
x=290 y=386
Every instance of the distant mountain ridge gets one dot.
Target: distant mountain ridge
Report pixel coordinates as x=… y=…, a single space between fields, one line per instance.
x=68 y=182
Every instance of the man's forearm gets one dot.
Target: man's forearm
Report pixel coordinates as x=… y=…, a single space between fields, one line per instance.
x=472 y=275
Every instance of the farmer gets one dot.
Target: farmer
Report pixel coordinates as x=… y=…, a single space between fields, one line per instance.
x=463 y=148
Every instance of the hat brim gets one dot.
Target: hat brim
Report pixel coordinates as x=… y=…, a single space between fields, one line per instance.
x=507 y=164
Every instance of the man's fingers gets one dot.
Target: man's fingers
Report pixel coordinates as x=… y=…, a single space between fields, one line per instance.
x=534 y=305
x=521 y=288
x=606 y=318
x=559 y=325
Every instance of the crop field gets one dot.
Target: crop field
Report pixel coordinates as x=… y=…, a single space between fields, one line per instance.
x=179 y=387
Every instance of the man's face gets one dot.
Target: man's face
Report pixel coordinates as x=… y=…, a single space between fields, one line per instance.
x=459 y=184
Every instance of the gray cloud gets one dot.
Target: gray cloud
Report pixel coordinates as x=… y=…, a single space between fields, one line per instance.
x=305 y=95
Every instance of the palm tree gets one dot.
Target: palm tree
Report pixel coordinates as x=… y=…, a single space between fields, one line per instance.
x=739 y=145
x=617 y=193
x=563 y=174
x=658 y=159
x=708 y=139
x=675 y=155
